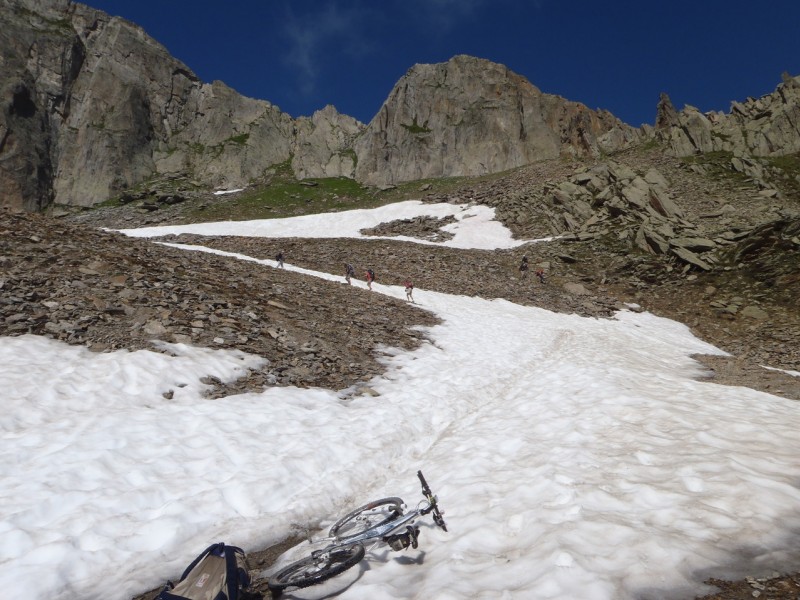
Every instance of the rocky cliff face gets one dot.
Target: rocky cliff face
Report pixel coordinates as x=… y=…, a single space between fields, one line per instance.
x=766 y=126
x=93 y=106
x=469 y=116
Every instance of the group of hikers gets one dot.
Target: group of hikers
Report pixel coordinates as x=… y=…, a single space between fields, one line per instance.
x=523 y=270
x=369 y=276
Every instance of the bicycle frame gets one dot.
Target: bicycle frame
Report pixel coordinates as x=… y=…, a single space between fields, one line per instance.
x=342 y=553
x=378 y=532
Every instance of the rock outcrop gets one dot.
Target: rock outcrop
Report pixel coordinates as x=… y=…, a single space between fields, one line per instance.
x=470 y=116
x=324 y=145
x=765 y=126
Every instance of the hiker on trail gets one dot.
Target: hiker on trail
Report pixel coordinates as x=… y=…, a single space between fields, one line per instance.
x=540 y=275
x=279 y=260
x=349 y=272
x=370 y=278
x=523 y=267
x=409 y=290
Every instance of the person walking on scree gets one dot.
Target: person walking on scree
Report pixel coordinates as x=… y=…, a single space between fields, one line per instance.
x=523 y=267
x=349 y=272
x=409 y=290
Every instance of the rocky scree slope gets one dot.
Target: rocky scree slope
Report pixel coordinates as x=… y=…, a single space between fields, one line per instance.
x=106 y=291
x=696 y=241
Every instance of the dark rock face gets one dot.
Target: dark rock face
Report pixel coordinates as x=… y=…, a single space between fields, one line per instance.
x=93 y=106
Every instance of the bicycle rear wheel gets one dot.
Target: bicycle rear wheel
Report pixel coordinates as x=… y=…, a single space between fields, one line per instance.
x=366 y=517
x=316 y=568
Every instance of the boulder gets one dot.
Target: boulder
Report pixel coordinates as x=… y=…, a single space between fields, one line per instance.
x=754 y=312
x=662 y=204
x=577 y=289
x=690 y=257
x=693 y=243
x=649 y=241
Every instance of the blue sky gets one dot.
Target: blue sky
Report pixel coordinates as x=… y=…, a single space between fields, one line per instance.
x=617 y=55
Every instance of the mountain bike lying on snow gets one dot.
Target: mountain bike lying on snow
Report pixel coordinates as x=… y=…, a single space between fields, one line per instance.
x=378 y=521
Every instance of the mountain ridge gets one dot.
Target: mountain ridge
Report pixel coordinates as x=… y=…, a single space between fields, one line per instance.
x=94 y=107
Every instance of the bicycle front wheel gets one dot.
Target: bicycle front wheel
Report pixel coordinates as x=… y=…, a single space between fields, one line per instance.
x=316 y=568
x=366 y=517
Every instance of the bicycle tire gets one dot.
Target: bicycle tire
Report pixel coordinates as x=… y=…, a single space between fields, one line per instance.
x=361 y=519
x=316 y=568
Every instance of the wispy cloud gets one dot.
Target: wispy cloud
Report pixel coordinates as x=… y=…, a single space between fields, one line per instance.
x=310 y=33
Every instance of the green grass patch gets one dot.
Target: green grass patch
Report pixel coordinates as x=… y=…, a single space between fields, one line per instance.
x=351 y=154
x=718 y=164
x=240 y=139
x=781 y=171
x=61 y=27
x=416 y=128
x=110 y=203
x=285 y=196
x=717 y=157
x=651 y=144
x=789 y=164
x=786 y=172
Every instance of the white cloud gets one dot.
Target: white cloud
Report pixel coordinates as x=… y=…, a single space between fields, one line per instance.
x=311 y=32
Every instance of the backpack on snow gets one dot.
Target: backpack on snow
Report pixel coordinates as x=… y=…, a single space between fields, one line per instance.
x=218 y=573
x=371 y=274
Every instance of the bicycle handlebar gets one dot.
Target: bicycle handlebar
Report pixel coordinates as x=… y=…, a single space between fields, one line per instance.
x=425 y=489
x=434 y=506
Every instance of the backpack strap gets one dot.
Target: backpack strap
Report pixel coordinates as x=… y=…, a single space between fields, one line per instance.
x=237 y=575
x=232 y=573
